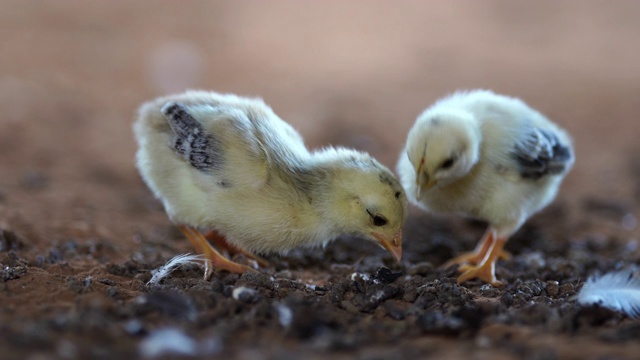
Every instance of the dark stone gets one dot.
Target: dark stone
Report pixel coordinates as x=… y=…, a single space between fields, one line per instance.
x=175 y=304
x=10 y=241
x=386 y=276
x=507 y=299
x=434 y=322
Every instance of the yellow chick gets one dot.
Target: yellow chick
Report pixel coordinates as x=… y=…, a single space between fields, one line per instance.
x=229 y=164
x=487 y=156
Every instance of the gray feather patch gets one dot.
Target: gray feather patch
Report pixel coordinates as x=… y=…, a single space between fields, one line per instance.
x=190 y=142
x=540 y=153
x=306 y=180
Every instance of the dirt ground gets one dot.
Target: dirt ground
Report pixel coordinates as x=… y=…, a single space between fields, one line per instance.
x=80 y=233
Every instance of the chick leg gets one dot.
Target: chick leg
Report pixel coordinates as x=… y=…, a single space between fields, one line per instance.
x=219 y=242
x=475 y=257
x=485 y=270
x=213 y=256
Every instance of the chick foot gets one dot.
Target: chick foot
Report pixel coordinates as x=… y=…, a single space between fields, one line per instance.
x=214 y=258
x=485 y=270
x=219 y=242
x=478 y=254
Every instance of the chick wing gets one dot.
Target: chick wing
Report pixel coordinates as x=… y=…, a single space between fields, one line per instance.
x=539 y=152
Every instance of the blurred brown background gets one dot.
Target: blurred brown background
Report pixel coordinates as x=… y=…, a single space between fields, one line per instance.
x=354 y=73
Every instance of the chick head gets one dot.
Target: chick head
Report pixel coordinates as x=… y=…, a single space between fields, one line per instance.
x=368 y=201
x=443 y=147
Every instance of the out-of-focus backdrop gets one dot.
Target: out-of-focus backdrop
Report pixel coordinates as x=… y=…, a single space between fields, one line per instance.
x=357 y=73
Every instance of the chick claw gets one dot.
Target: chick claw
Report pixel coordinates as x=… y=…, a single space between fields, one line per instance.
x=214 y=258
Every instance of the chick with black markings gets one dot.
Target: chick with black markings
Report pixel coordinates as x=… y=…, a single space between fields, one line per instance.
x=487 y=156
x=229 y=164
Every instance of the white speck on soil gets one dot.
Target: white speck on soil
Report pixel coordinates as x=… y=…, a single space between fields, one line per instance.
x=285 y=315
x=166 y=342
x=362 y=276
x=242 y=293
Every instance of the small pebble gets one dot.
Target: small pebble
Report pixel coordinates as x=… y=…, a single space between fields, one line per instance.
x=40 y=261
x=410 y=294
x=227 y=290
x=552 y=288
x=216 y=285
x=255 y=280
x=566 y=289
x=55 y=256
x=507 y=298
x=489 y=291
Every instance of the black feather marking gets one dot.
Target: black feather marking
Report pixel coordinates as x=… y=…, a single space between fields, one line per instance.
x=386 y=178
x=541 y=154
x=305 y=180
x=203 y=151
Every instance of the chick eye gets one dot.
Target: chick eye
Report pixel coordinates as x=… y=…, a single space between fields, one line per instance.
x=448 y=163
x=378 y=220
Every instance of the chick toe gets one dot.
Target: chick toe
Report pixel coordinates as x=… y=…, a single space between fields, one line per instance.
x=220 y=242
x=485 y=270
x=214 y=258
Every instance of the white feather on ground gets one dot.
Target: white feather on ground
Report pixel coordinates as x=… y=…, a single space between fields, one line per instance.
x=171 y=265
x=619 y=291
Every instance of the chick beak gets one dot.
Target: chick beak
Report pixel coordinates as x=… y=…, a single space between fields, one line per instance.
x=431 y=183
x=423 y=181
x=420 y=178
x=393 y=245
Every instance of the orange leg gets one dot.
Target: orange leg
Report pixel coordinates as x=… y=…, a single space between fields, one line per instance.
x=478 y=254
x=485 y=270
x=219 y=242
x=213 y=256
